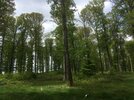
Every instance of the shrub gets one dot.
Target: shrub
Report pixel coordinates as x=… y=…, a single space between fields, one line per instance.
x=24 y=76
x=89 y=70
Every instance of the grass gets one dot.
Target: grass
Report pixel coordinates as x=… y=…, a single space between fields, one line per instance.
x=99 y=87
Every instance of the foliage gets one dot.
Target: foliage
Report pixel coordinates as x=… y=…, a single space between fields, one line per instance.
x=89 y=70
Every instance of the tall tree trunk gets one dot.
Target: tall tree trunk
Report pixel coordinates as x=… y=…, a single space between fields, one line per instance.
x=99 y=50
x=1 y=55
x=131 y=65
x=106 y=46
x=35 y=62
x=68 y=72
x=51 y=63
x=11 y=65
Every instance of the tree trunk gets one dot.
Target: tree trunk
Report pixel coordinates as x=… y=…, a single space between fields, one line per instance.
x=131 y=65
x=106 y=46
x=11 y=65
x=100 y=57
x=1 y=55
x=66 y=51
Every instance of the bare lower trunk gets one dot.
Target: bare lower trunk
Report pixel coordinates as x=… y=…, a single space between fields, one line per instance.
x=100 y=57
x=11 y=65
x=131 y=65
x=1 y=54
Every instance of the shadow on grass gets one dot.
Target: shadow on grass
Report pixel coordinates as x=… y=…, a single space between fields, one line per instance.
x=118 y=95
x=41 y=96
x=43 y=82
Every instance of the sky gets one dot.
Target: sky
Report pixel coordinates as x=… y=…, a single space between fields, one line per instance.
x=41 y=6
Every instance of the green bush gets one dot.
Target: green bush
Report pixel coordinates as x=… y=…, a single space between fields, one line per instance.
x=8 y=76
x=89 y=70
x=24 y=76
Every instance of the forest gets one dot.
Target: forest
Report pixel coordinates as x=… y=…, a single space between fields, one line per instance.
x=93 y=60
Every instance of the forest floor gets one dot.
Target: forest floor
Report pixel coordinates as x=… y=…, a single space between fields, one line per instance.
x=44 y=87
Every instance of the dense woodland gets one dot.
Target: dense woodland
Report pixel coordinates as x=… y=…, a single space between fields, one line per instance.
x=99 y=44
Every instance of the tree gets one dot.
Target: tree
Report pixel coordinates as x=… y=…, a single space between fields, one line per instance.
x=93 y=17
x=11 y=42
x=120 y=17
x=30 y=40
x=49 y=51
x=63 y=14
x=21 y=43
x=130 y=47
x=58 y=48
x=124 y=8
x=85 y=52
x=6 y=9
x=36 y=32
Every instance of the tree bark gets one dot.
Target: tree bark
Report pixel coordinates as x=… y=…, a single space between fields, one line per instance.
x=1 y=55
x=106 y=46
x=11 y=65
x=68 y=72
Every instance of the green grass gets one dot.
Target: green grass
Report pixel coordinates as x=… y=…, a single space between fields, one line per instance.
x=99 y=87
